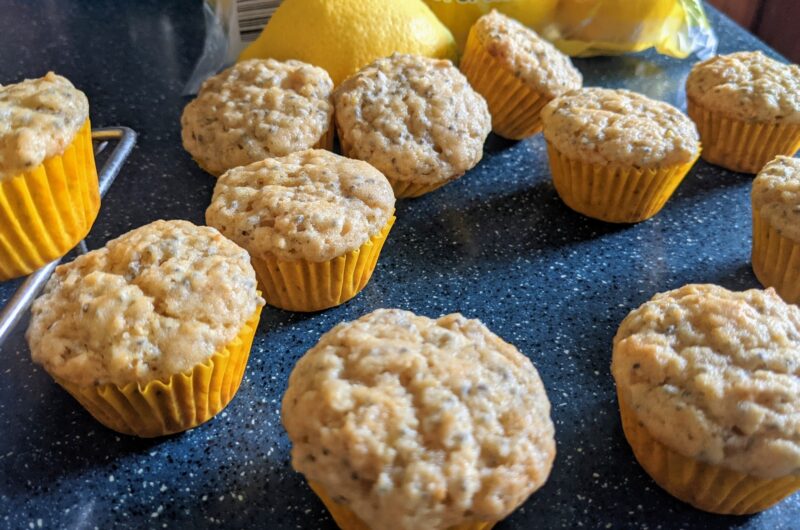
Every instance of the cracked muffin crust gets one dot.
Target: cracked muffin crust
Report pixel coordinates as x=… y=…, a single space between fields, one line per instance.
x=152 y=303
x=419 y=423
x=747 y=86
x=776 y=195
x=257 y=109
x=40 y=118
x=715 y=376
x=531 y=58
x=312 y=205
x=414 y=118
x=619 y=127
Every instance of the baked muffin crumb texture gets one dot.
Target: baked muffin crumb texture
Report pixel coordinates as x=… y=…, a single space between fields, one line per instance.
x=152 y=303
x=311 y=205
x=715 y=375
x=531 y=58
x=419 y=423
x=257 y=109
x=40 y=118
x=776 y=195
x=619 y=127
x=747 y=86
x=414 y=118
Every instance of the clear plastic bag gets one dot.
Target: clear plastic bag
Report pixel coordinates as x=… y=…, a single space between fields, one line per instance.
x=230 y=26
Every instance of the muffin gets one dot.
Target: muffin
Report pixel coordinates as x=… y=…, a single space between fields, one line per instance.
x=313 y=222
x=709 y=392
x=258 y=109
x=747 y=108
x=415 y=119
x=402 y=422
x=517 y=72
x=49 y=196
x=776 y=227
x=617 y=155
x=151 y=333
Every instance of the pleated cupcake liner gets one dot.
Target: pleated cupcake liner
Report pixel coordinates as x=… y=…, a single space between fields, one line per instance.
x=515 y=106
x=615 y=194
x=308 y=286
x=179 y=403
x=705 y=486
x=47 y=211
x=404 y=189
x=346 y=519
x=776 y=259
x=739 y=145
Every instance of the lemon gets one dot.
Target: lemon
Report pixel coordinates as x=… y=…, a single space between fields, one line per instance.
x=341 y=36
x=460 y=15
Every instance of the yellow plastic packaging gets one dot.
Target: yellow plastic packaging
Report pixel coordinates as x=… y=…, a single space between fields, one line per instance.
x=181 y=402
x=459 y=16
x=347 y=520
x=308 y=286
x=46 y=211
x=705 y=486
x=596 y=27
x=776 y=259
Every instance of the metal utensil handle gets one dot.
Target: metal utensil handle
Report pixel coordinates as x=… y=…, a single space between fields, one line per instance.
x=30 y=288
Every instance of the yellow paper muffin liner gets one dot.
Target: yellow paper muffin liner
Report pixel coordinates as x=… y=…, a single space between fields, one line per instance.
x=616 y=194
x=739 y=145
x=515 y=106
x=776 y=259
x=48 y=210
x=347 y=520
x=182 y=402
x=705 y=486
x=404 y=189
x=306 y=286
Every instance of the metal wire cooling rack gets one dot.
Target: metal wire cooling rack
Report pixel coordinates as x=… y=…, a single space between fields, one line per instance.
x=21 y=300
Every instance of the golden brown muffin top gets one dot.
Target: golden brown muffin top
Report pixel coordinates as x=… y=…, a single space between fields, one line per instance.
x=152 y=303
x=715 y=376
x=414 y=118
x=40 y=118
x=776 y=194
x=257 y=109
x=619 y=127
x=531 y=58
x=311 y=205
x=747 y=86
x=419 y=423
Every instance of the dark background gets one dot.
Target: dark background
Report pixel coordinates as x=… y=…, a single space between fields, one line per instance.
x=775 y=21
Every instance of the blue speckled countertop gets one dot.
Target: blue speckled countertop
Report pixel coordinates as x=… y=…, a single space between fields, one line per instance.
x=496 y=245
